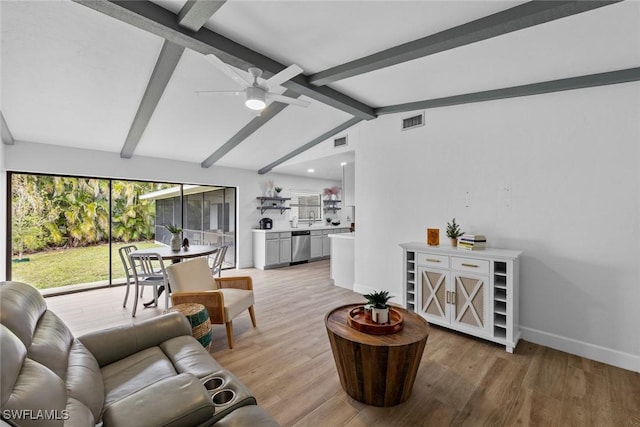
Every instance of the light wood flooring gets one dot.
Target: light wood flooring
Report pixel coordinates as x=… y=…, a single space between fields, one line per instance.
x=287 y=363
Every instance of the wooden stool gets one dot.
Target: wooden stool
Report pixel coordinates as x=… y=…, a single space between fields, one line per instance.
x=198 y=318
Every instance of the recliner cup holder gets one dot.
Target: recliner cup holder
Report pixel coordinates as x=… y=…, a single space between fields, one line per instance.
x=213 y=383
x=223 y=397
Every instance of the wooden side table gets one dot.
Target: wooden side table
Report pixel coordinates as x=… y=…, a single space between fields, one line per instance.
x=377 y=370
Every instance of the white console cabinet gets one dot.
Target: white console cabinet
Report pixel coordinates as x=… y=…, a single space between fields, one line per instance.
x=475 y=292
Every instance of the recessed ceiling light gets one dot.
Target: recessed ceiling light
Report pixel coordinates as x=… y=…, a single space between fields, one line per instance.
x=311 y=170
x=343 y=164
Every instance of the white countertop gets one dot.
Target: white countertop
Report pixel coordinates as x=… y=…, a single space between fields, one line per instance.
x=301 y=228
x=343 y=236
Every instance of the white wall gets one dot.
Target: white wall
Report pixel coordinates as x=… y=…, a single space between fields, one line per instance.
x=3 y=212
x=570 y=161
x=41 y=158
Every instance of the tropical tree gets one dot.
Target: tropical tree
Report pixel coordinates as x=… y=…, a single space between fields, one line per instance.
x=30 y=216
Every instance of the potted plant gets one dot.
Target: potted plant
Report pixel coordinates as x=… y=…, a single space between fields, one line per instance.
x=377 y=303
x=175 y=238
x=277 y=190
x=328 y=220
x=332 y=192
x=453 y=232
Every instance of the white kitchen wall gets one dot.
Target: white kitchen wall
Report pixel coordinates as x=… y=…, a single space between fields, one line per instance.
x=41 y=158
x=556 y=176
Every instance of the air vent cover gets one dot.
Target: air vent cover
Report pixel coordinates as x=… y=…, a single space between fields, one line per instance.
x=340 y=142
x=413 y=121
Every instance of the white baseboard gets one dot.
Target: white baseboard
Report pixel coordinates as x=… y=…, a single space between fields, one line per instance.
x=598 y=353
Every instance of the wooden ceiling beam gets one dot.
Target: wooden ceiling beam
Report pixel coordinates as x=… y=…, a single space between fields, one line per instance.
x=267 y=114
x=162 y=72
x=516 y=18
x=195 y=13
x=153 y=18
x=312 y=143
x=580 y=82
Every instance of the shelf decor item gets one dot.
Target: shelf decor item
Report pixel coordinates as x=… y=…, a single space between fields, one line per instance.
x=331 y=193
x=379 y=307
x=453 y=232
x=176 y=242
x=433 y=236
x=277 y=190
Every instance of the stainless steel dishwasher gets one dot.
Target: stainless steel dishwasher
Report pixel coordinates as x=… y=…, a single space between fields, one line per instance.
x=300 y=246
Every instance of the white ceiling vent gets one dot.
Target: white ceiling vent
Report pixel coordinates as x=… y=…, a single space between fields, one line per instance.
x=413 y=121
x=340 y=142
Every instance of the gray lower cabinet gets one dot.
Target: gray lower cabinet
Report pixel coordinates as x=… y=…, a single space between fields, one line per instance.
x=271 y=249
x=285 y=247
x=316 y=244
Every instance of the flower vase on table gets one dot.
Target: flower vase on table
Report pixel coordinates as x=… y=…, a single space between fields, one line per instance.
x=176 y=242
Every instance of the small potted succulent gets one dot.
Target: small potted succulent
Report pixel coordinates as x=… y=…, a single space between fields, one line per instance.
x=277 y=190
x=453 y=232
x=175 y=231
x=377 y=303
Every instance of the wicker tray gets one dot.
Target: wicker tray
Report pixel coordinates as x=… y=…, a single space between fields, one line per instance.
x=358 y=320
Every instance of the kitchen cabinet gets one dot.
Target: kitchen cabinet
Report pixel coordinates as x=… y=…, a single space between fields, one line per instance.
x=316 y=244
x=326 y=243
x=271 y=249
x=475 y=292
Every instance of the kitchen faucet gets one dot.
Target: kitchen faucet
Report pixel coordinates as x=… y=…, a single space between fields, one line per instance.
x=314 y=217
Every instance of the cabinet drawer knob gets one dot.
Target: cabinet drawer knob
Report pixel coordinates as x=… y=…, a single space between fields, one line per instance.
x=432 y=260
x=470 y=265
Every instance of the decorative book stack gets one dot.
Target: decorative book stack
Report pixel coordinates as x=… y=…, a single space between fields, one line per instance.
x=472 y=242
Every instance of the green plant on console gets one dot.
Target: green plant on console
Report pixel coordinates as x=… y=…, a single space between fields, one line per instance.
x=453 y=230
x=378 y=299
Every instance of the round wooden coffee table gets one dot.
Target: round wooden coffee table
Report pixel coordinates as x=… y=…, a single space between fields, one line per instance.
x=377 y=369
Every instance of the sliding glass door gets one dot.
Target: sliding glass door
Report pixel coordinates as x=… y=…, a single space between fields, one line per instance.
x=68 y=230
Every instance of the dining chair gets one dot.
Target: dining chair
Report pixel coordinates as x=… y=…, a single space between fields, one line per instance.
x=225 y=297
x=128 y=271
x=218 y=260
x=148 y=270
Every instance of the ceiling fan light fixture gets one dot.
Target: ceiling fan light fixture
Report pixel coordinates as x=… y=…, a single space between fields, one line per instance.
x=255 y=98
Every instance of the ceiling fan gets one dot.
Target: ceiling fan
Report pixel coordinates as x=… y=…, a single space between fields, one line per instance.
x=257 y=93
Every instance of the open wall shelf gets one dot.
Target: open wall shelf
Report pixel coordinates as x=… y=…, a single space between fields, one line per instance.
x=273 y=203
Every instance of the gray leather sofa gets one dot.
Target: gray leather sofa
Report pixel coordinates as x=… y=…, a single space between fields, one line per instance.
x=150 y=374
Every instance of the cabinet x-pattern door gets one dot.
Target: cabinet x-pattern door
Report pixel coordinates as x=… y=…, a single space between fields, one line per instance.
x=433 y=294
x=470 y=298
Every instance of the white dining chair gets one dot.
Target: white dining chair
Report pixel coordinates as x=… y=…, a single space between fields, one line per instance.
x=148 y=270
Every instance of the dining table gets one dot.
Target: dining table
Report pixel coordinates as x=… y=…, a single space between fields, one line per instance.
x=166 y=253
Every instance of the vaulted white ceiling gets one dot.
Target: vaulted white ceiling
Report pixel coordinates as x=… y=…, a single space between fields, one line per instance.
x=75 y=76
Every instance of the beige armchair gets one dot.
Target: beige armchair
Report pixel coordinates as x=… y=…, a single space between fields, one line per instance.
x=224 y=297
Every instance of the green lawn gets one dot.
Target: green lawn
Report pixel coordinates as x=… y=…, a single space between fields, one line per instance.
x=60 y=267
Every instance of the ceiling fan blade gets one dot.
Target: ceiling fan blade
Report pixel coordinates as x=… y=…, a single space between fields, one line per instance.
x=284 y=75
x=230 y=92
x=287 y=100
x=226 y=69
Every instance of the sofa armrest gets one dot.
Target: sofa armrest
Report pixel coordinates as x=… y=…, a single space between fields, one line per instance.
x=175 y=401
x=237 y=282
x=110 y=345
